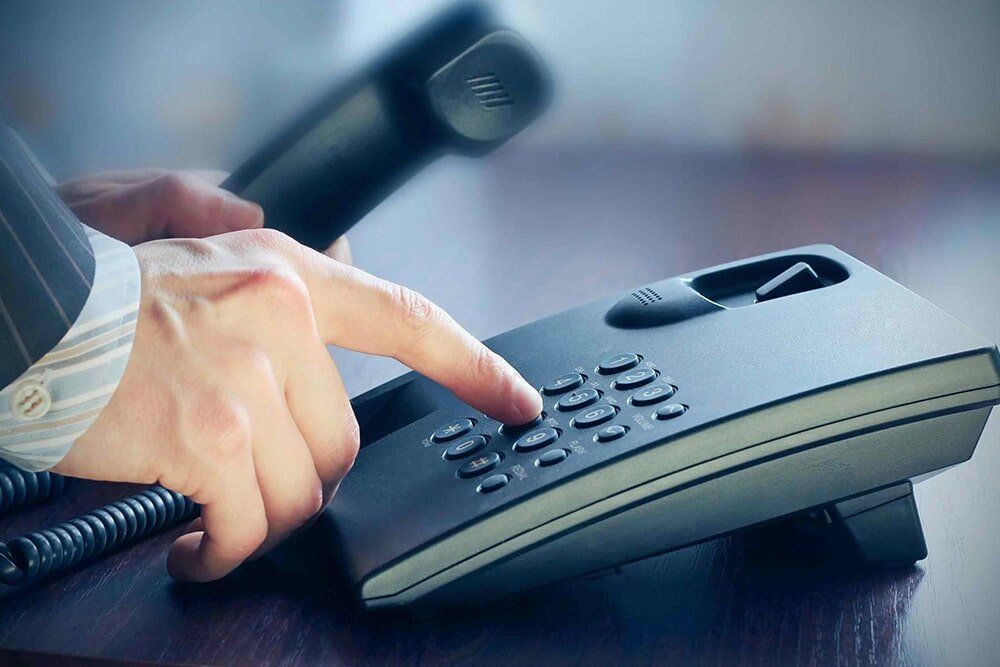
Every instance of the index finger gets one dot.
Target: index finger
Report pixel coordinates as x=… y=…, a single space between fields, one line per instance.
x=358 y=311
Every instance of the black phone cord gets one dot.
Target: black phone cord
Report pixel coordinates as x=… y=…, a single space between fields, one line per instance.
x=41 y=553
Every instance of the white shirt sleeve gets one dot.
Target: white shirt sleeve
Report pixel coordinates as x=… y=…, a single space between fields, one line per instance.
x=56 y=400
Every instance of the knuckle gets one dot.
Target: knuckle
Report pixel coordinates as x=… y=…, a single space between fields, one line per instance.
x=484 y=363
x=224 y=428
x=175 y=187
x=309 y=503
x=490 y=368
x=248 y=362
x=280 y=285
x=348 y=447
x=268 y=239
x=252 y=537
x=413 y=310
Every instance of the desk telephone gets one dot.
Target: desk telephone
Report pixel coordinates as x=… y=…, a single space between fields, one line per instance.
x=683 y=410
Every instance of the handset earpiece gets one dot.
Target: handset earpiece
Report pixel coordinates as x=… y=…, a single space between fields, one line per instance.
x=459 y=85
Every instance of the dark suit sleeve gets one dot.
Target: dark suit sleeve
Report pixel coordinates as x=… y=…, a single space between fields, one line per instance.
x=46 y=262
x=69 y=302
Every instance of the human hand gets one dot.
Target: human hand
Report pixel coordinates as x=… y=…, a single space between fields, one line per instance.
x=230 y=396
x=149 y=204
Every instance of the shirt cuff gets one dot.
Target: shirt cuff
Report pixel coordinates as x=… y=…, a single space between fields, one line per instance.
x=56 y=400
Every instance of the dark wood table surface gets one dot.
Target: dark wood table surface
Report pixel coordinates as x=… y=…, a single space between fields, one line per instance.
x=524 y=235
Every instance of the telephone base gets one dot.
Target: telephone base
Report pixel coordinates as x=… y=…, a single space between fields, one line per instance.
x=883 y=526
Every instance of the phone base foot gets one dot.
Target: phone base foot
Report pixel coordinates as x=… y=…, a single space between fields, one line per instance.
x=883 y=526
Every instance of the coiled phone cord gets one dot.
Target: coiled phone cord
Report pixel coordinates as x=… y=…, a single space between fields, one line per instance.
x=41 y=553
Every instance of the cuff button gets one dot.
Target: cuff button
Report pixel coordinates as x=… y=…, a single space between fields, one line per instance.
x=31 y=400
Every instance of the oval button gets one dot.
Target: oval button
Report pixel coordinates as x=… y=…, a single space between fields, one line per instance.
x=493 y=483
x=635 y=378
x=610 y=433
x=529 y=442
x=618 y=363
x=511 y=430
x=452 y=430
x=578 y=399
x=551 y=457
x=670 y=411
x=654 y=393
x=466 y=447
x=479 y=465
x=563 y=383
x=596 y=415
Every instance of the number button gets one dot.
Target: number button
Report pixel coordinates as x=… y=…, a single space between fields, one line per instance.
x=635 y=378
x=578 y=399
x=618 y=363
x=511 y=430
x=466 y=447
x=529 y=442
x=452 y=430
x=479 y=465
x=654 y=393
x=563 y=383
x=594 y=416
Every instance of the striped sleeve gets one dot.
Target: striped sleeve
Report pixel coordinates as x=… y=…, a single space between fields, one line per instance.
x=52 y=403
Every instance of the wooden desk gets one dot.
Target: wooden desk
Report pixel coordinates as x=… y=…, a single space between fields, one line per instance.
x=569 y=228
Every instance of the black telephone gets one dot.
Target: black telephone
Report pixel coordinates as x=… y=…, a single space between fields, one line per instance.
x=798 y=381
x=685 y=409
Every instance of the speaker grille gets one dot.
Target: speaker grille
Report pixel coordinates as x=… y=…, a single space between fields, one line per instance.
x=646 y=296
x=489 y=91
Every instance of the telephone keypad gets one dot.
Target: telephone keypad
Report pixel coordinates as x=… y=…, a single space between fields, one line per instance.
x=578 y=399
x=654 y=393
x=563 y=383
x=480 y=453
x=596 y=415
x=479 y=465
x=453 y=429
x=529 y=442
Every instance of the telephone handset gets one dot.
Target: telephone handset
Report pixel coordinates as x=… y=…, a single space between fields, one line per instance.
x=459 y=84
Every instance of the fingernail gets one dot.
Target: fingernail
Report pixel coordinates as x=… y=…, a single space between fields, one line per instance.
x=258 y=213
x=249 y=211
x=527 y=402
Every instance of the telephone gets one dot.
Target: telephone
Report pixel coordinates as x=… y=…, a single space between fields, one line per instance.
x=677 y=412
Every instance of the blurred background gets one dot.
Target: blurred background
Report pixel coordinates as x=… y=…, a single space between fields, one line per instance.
x=684 y=133
x=121 y=83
